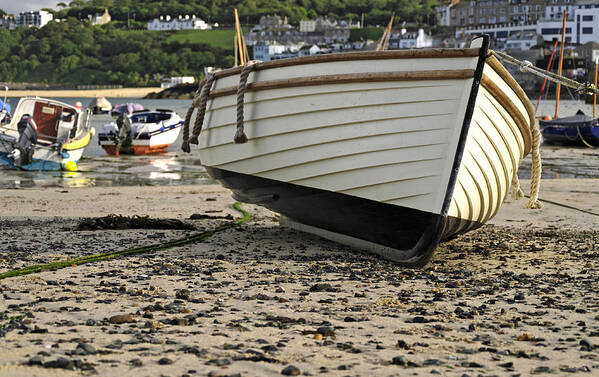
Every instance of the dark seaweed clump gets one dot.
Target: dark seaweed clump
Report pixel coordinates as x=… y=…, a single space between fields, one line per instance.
x=131 y=222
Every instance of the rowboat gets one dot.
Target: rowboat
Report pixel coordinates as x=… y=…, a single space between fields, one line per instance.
x=143 y=132
x=387 y=151
x=44 y=134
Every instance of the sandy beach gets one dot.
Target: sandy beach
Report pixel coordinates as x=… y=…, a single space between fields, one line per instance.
x=91 y=93
x=516 y=297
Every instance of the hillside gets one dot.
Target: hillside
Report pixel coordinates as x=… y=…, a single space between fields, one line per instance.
x=221 y=11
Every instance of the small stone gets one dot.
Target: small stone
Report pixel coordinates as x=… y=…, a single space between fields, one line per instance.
x=318 y=336
x=121 y=318
x=165 y=361
x=322 y=287
x=326 y=331
x=36 y=360
x=183 y=294
x=399 y=360
x=136 y=362
x=60 y=363
x=586 y=344
x=88 y=349
x=402 y=344
x=291 y=371
x=151 y=324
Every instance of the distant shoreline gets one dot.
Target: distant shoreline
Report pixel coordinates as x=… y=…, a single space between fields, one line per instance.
x=86 y=93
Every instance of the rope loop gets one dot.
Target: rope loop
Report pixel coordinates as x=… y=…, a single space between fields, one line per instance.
x=201 y=105
x=240 y=136
x=185 y=147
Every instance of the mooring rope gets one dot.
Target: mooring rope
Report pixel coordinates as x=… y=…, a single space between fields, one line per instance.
x=526 y=66
x=199 y=101
x=136 y=250
x=240 y=137
x=536 y=168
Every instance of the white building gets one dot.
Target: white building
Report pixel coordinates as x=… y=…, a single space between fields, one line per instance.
x=307 y=26
x=264 y=52
x=173 y=81
x=404 y=39
x=308 y=50
x=582 y=25
x=37 y=18
x=181 y=23
x=523 y=40
x=100 y=19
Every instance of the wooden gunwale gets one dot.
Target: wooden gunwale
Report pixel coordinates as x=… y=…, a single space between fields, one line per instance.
x=347 y=79
x=511 y=109
x=350 y=56
x=511 y=82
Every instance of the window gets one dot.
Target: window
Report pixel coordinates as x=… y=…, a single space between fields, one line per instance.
x=516 y=9
x=483 y=20
x=587 y=18
x=587 y=30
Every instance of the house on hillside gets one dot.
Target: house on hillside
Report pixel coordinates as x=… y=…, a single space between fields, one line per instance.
x=100 y=19
x=404 y=39
x=37 y=18
x=181 y=23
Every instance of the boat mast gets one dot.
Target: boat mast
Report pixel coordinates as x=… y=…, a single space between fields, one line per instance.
x=545 y=80
x=561 y=62
x=595 y=95
x=382 y=43
x=240 y=42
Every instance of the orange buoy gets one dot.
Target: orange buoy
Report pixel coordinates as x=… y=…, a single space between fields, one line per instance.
x=546 y=117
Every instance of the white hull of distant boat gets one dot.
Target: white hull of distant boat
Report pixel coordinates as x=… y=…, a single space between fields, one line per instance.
x=391 y=151
x=151 y=132
x=44 y=134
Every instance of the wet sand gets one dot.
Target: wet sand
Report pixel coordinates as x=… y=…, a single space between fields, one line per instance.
x=87 y=93
x=517 y=297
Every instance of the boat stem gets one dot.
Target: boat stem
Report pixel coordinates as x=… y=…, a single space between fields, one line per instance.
x=561 y=62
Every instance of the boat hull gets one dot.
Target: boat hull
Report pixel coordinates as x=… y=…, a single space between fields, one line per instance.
x=400 y=164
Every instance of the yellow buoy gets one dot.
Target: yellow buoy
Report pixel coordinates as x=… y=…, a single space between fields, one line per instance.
x=70 y=166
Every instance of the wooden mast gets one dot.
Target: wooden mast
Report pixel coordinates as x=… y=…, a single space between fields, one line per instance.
x=545 y=80
x=382 y=43
x=240 y=43
x=561 y=62
x=595 y=95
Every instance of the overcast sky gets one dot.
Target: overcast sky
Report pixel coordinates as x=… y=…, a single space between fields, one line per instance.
x=12 y=6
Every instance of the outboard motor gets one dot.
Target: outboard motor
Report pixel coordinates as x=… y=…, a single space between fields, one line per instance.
x=24 y=148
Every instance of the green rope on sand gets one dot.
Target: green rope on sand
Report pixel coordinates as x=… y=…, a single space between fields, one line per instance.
x=136 y=250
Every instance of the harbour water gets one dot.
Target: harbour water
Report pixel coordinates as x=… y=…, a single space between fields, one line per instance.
x=177 y=168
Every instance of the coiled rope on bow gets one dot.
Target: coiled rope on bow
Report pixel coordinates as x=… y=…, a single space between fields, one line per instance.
x=240 y=136
x=199 y=101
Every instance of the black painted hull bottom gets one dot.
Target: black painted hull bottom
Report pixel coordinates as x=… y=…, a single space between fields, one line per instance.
x=406 y=235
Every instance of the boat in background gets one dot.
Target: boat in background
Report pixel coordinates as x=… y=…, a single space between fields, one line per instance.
x=125 y=108
x=44 y=134
x=100 y=105
x=386 y=151
x=578 y=129
x=143 y=132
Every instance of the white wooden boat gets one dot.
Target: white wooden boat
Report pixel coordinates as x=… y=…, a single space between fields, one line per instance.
x=388 y=151
x=44 y=134
x=150 y=131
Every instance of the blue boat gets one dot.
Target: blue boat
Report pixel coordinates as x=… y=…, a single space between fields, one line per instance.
x=578 y=129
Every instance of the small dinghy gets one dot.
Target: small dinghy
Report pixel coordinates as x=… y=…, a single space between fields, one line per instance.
x=578 y=129
x=44 y=134
x=143 y=132
x=387 y=151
